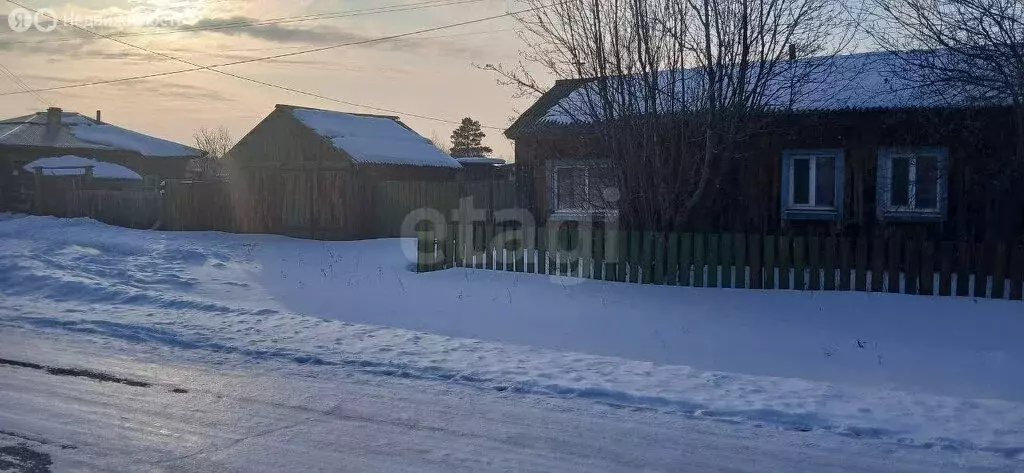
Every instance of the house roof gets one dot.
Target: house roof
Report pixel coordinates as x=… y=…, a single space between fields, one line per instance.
x=80 y=132
x=480 y=160
x=70 y=165
x=862 y=81
x=373 y=139
x=534 y=115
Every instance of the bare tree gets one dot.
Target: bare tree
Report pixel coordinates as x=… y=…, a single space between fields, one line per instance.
x=215 y=143
x=968 y=52
x=438 y=142
x=674 y=90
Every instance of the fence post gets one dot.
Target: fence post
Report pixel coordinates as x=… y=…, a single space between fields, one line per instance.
x=981 y=270
x=800 y=278
x=685 y=259
x=699 y=255
x=999 y=272
x=769 y=262
x=963 y=270
x=927 y=273
x=789 y=249
x=754 y=254
x=946 y=268
x=877 y=264
x=726 y=259
x=1017 y=273
x=740 y=250
x=712 y=260
x=831 y=255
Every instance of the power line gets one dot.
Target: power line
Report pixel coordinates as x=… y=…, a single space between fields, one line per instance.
x=21 y=84
x=273 y=21
x=212 y=68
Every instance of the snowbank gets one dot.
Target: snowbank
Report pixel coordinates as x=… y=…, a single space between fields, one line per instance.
x=926 y=372
x=374 y=140
x=100 y=169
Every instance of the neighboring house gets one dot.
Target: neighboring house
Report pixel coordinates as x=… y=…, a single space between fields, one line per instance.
x=374 y=146
x=58 y=144
x=482 y=168
x=872 y=155
x=319 y=173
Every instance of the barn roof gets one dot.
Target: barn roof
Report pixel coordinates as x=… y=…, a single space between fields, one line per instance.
x=80 y=132
x=862 y=81
x=373 y=139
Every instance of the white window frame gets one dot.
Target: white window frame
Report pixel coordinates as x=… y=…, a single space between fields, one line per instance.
x=812 y=211
x=586 y=210
x=886 y=157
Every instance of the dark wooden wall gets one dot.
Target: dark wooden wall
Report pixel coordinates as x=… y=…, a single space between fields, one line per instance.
x=985 y=181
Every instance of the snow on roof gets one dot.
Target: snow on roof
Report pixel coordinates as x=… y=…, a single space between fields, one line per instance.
x=863 y=81
x=79 y=131
x=480 y=160
x=120 y=138
x=374 y=140
x=75 y=165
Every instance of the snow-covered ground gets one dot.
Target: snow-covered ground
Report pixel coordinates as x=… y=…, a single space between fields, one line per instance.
x=938 y=373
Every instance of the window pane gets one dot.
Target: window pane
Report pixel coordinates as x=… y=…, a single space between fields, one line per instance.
x=601 y=178
x=566 y=188
x=900 y=184
x=801 y=181
x=825 y=188
x=927 y=184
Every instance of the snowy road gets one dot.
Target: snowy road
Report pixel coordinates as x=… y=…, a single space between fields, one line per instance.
x=265 y=420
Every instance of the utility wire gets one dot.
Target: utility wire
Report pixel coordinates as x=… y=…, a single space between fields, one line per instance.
x=273 y=21
x=212 y=68
x=21 y=84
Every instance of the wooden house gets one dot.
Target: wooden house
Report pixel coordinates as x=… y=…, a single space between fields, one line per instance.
x=876 y=156
x=60 y=147
x=317 y=173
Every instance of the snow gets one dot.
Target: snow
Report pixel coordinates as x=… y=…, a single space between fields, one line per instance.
x=480 y=160
x=374 y=140
x=101 y=169
x=875 y=80
x=120 y=138
x=906 y=371
x=289 y=417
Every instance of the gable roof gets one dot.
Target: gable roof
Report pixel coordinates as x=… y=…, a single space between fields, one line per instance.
x=372 y=139
x=862 y=81
x=81 y=132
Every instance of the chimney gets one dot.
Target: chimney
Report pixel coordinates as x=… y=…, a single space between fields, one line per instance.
x=53 y=121
x=99 y=116
x=792 y=52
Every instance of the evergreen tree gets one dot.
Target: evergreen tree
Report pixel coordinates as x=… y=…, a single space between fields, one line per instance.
x=467 y=140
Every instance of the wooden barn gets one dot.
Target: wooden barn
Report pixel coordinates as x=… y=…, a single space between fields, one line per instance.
x=324 y=174
x=44 y=154
x=875 y=157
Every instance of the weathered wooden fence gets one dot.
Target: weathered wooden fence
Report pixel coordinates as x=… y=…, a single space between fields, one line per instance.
x=983 y=270
x=324 y=205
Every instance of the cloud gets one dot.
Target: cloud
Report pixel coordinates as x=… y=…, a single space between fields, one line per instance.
x=269 y=32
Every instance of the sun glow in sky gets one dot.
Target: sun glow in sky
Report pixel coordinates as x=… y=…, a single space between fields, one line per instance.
x=432 y=74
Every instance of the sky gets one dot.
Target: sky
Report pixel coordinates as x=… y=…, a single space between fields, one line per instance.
x=433 y=74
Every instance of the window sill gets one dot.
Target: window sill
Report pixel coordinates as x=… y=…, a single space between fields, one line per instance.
x=827 y=214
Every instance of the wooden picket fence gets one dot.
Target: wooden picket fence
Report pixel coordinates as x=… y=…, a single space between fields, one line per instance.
x=894 y=265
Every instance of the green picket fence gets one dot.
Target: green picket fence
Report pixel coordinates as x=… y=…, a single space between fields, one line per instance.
x=982 y=270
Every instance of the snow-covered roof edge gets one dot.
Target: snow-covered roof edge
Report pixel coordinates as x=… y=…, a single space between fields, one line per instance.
x=864 y=81
x=372 y=139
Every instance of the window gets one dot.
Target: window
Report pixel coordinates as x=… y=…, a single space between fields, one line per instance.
x=582 y=188
x=812 y=184
x=912 y=184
